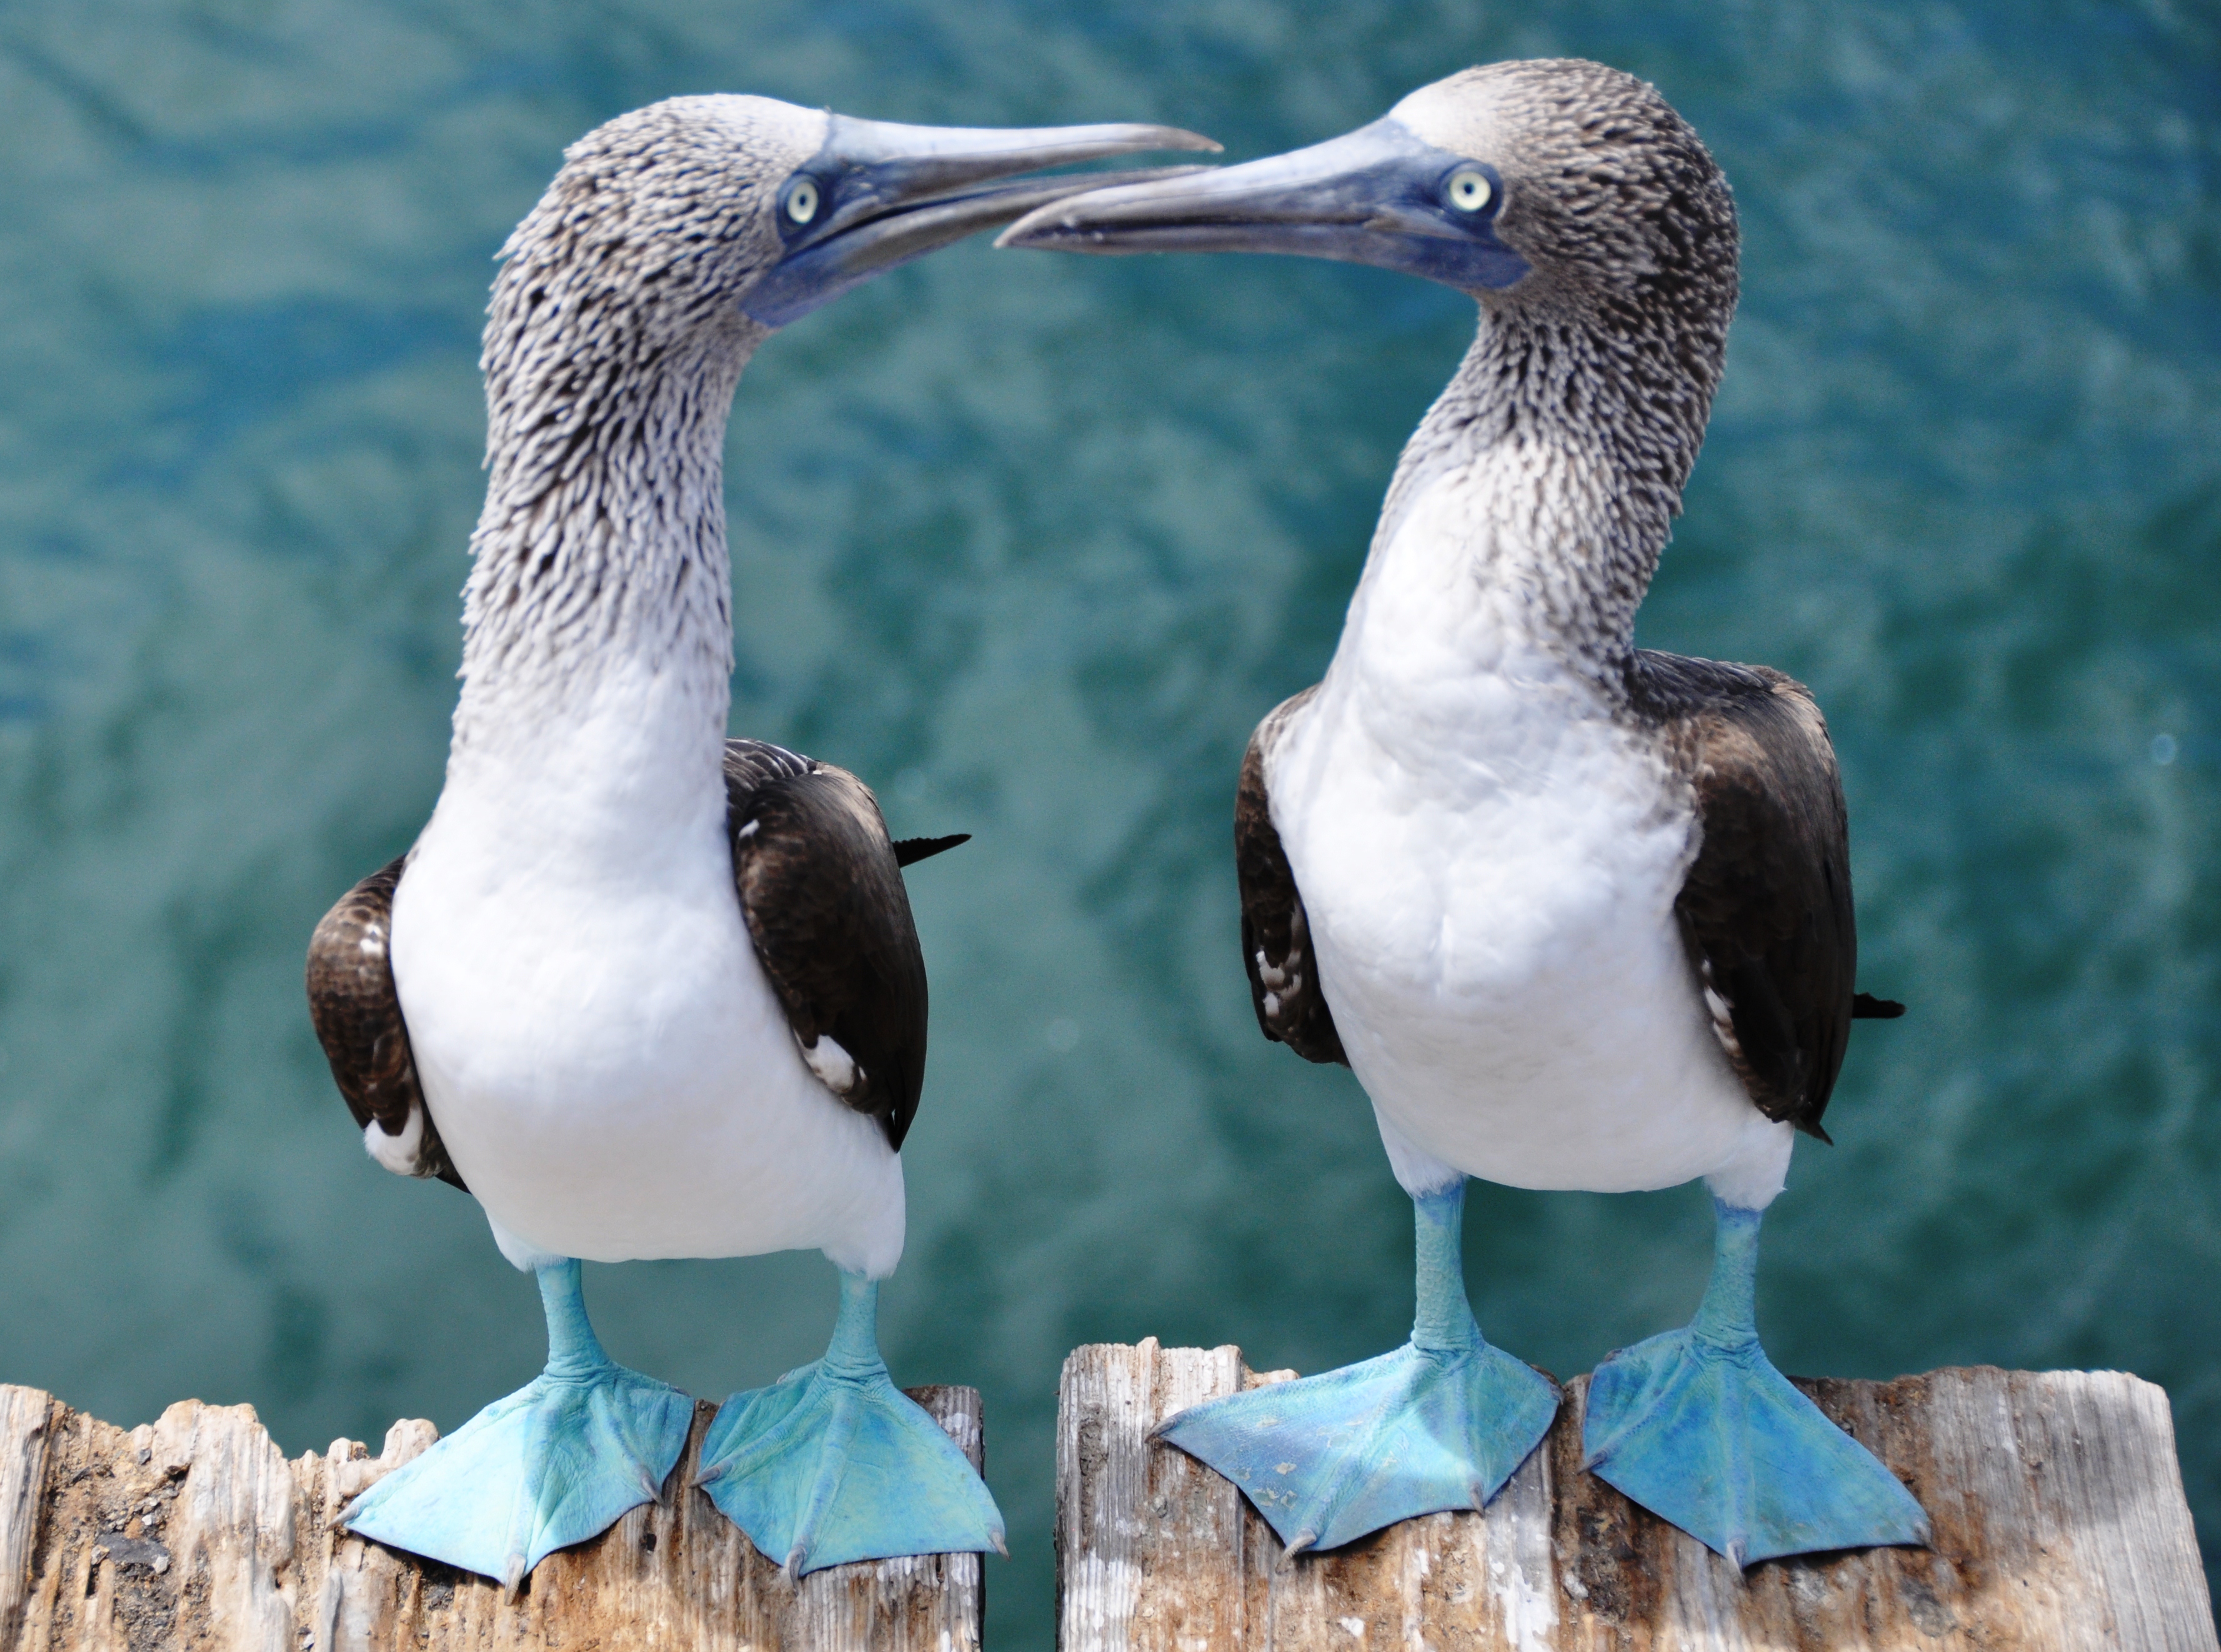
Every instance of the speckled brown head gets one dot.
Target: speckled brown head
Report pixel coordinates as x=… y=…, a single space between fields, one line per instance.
x=1561 y=194
x=1599 y=239
x=1607 y=194
x=714 y=220
x=674 y=240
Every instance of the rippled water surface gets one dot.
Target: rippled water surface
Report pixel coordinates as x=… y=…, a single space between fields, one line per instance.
x=1031 y=542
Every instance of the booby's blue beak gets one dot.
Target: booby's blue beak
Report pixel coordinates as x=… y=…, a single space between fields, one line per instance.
x=878 y=194
x=1377 y=196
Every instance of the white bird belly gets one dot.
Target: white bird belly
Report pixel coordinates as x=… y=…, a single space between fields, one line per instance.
x=1495 y=936
x=608 y=1065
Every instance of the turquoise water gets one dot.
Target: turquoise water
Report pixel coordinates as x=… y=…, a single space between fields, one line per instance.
x=1031 y=541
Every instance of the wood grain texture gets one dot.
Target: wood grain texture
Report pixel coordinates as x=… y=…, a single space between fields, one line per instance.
x=2056 y=1499
x=195 y=1533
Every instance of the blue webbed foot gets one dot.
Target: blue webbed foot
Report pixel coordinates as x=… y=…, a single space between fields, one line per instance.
x=1328 y=1459
x=555 y=1463
x=833 y=1463
x=1441 y=1422
x=1698 y=1428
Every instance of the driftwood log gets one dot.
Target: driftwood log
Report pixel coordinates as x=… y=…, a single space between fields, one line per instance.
x=2057 y=1502
x=195 y=1532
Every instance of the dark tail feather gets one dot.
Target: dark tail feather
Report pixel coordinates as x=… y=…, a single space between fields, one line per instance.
x=909 y=851
x=1864 y=1005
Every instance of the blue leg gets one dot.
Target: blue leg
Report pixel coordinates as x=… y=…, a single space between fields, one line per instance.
x=1699 y=1427
x=555 y=1463
x=1440 y=1423
x=833 y=1463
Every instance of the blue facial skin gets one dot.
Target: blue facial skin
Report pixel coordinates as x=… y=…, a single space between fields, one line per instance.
x=1408 y=187
x=886 y=194
x=1377 y=196
x=829 y=254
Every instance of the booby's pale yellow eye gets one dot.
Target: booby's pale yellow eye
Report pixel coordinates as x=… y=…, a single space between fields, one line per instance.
x=802 y=200
x=1468 y=190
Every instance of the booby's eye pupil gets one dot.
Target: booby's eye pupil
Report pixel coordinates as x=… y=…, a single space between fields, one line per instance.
x=1469 y=190
x=802 y=201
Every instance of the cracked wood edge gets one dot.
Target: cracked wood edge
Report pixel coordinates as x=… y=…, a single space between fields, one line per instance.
x=195 y=1533
x=2057 y=1498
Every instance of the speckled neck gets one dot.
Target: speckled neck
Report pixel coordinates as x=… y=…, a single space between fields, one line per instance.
x=1569 y=448
x=601 y=550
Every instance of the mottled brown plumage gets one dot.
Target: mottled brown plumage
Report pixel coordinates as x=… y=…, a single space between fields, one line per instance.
x=357 y=1018
x=1494 y=800
x=825 y=906
x=820 y=888
x=1764 y=910
x=1766 y=907
x=1284 y=985
x=1603 y=254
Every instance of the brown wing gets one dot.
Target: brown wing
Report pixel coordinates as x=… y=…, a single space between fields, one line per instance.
x=1276 y=939
x=1766 y=910
x=825 y=906
x=357 y=1018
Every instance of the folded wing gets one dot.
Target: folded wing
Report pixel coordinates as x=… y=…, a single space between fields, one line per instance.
x=1766 y=909
x=821 y=891
x=1276 y=941
x=358 y=1020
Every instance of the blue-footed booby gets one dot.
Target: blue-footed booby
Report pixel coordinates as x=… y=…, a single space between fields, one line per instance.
x=648 y=991
x=1577 y=914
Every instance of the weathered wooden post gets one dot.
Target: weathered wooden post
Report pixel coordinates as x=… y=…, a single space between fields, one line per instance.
x=195 y=1532
x=2056 y=1499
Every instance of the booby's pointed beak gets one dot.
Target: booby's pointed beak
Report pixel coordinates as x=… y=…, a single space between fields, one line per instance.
x=878 y=194
x=1378 y=196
